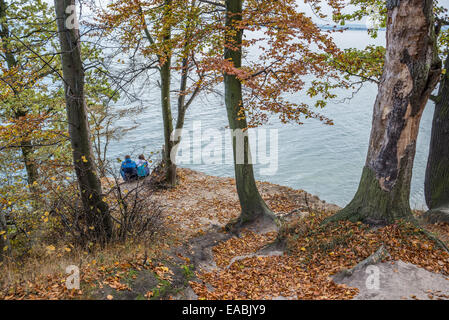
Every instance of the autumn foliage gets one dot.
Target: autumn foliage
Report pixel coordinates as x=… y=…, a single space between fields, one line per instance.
x=161 y=237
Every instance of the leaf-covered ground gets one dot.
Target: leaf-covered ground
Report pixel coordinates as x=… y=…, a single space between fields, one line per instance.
x=313 y=253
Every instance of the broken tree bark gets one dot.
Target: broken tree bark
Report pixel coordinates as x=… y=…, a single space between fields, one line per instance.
x=412 y=70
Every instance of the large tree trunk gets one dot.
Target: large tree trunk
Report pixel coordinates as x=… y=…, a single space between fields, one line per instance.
x=96 y=209
x=411 y=72
x=252 y=204
x=170 y=166
x=437 y=174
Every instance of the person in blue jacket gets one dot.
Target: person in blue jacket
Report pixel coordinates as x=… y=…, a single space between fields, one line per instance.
x=143 y=169
x=128 y=169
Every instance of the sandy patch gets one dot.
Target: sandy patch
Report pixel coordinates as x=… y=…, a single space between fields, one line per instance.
x=398 y=281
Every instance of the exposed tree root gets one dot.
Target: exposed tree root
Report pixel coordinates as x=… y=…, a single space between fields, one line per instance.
x=263 y=222
x=374 y=206
x=158 y=178
x=270 y=253
x=376 y=257
x=355 y=216
x=376 y=224
x=437 y=215
x=437 y=241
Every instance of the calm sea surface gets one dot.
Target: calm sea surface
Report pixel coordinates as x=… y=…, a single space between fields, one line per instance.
x=324 y=160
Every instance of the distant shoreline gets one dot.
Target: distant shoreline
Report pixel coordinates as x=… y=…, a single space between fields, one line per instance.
x=354 y=27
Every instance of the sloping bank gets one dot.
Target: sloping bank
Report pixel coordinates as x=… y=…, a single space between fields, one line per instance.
x=205 y=262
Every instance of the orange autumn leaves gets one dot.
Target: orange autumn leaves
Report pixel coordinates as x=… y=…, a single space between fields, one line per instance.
x=315 y=254
x=249 y=243
x=264 y=277
x=35 y=127
x=293 y=52
x=293 y=58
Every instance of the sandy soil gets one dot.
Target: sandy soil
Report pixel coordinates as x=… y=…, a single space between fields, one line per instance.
x=398 y=281
x=201 y=202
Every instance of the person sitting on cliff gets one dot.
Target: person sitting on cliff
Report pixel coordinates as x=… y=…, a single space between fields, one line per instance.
x=143 y=169
x=128 y=169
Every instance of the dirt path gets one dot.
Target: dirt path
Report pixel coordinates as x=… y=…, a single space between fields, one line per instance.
x=202 y=205
x=196 y=212
x=202 y=202
x=194 y=258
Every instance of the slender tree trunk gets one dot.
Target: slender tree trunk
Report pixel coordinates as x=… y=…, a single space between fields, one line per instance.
x=31 y=168
x=170 y=166
x=4 y=243
x=26 y=146
x=96 y=209
x=182 y=108
x=27 y=150
x=412 y=70
x=182 y=97
x=437 y=174
x=252 y=204
x=182 y=104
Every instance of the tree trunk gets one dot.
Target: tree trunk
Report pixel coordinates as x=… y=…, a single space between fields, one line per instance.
x=182 y=96
x=11 y=62
x=252 y=204
x=437 y=174
x=170 y=166
x=30 y=166
x=412 y=70
x=95 y=208
x=182 y=109
x=182 y=104
x=4 y=243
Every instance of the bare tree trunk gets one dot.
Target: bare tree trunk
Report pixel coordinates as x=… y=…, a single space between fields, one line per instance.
x=171 y=145
x=183 y=105
x=4 y=243
x=170 y=166
x=412 y=70
x=437 y=174
x=182 y=98
x=252 y=204
x=30 y=166
x=182 y=109
x=96 y=209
